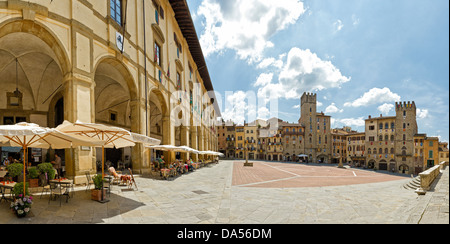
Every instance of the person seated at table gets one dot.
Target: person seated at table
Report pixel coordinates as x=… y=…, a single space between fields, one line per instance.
x=161 y=162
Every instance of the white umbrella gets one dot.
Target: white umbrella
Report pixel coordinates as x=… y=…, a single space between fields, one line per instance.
x=110 y=136
x=188 y=149
x=26 y=135
x=168 y=148
x=145 y=139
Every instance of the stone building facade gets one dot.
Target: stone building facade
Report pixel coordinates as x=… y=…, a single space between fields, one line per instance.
x=389 y=143
x=128 y=63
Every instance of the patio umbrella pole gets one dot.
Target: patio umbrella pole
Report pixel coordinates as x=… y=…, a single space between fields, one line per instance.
x=24 y=162
x=103 y=174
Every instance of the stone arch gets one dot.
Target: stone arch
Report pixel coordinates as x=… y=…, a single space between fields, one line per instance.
x=116 y=96
x=18 y=25
x=159 y=110
x=31 y=53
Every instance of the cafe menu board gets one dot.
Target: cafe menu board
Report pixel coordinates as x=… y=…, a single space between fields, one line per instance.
x=36 y=154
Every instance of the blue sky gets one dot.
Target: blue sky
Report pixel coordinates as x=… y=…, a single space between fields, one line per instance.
x=359 y=56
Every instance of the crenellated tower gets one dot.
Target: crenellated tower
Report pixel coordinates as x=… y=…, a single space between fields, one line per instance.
x=308 y=118
x=405 y=129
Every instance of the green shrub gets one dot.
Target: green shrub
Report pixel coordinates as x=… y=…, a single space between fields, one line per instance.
x=15 y=169
x=47 y=168
x=18 y=189
x=98 y=181
x=33 y=173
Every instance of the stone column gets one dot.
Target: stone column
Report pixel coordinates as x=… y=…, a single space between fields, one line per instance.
x=185 y=141
x=194 y=141
x=79 y=105
x=168 y=137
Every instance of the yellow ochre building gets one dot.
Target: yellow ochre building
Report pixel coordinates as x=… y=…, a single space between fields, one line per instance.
x=135 y=64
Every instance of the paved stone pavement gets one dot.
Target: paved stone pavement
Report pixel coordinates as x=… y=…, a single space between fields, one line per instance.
x=433 y=208
x=208 y=196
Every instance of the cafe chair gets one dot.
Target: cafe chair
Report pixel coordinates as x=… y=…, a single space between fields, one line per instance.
x=89 y=180
x=115 y=174
x=58 y=191
x=132 y=181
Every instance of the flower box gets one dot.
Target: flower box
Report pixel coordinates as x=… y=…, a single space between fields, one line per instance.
x=96 y=195
x=33 y=182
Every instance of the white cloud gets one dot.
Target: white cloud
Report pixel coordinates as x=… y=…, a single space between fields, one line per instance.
x=303 y=71
x=243 y=106
x=333 y=109
x=338 y=25
x=422 y=113
x=386 y=108
x=375 y=96
x=359 y=122
x=265 y=63
x=355 y=20
x=296 y=106
x=245 y=26
x=264 y=79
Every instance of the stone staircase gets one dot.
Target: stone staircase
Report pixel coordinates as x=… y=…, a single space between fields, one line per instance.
x=414 y=184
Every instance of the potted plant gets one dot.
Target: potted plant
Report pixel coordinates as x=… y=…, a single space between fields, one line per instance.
x=18 y=189
x=47 y=170
x=22 y=205
x=15 y=170
x=96 y=193
x=33 y=177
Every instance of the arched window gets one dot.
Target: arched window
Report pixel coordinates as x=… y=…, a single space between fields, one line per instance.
x=392 y=125
x=386 y=126
x=386 y=151
x=392 y=138
x=381 y=126
x=380 y=151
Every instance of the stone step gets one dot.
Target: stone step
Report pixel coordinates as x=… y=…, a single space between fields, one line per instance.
x=414 y=184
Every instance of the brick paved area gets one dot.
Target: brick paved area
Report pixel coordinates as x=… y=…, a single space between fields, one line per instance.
x=291 y=175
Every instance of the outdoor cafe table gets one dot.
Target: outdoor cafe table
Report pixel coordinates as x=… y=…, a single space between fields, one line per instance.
x=6 y=185
x=67 y=185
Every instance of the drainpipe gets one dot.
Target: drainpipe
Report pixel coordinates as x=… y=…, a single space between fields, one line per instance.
x=145 y=70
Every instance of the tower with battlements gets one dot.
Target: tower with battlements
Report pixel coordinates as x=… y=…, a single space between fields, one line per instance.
x=308 y=119
x=405 y=129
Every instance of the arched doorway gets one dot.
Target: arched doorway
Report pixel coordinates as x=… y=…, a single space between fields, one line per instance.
x=158 y=121
x=32 y=68
x=115 y=96
x=403 y=169
x=371 y=164
x=392 y=165
x=382 y=165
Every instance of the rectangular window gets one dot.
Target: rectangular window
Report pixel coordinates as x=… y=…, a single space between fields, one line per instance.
x=430 y=154
x=179 y=88
x=116 y=11
x=157 y=54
